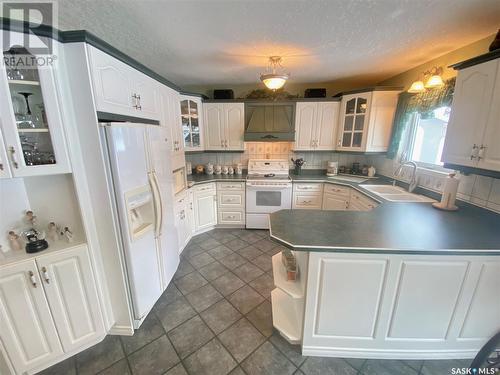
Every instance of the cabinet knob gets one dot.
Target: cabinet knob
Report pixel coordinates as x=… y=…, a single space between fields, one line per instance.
x=12 y=153
x=480 y=153
x=32 y=278
x=1 y=166
x=474 y=152
x=45 y=275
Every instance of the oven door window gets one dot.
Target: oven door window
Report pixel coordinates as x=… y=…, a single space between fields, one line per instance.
x=268 y=198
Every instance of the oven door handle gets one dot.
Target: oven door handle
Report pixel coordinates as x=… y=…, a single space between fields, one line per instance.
x=267 y=187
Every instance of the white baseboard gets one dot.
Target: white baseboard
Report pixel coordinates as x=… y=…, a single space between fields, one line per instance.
x=386 y=354
x=121 y=330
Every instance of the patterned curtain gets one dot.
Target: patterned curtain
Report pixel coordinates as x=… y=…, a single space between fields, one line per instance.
x=424 y=103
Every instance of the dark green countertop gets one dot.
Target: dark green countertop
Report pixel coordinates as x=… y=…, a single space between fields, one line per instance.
x=197 y=179
x=401 y=228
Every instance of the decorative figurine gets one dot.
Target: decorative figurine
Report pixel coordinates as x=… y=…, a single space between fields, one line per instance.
x=68 y=234
x=53 y=232
x=30 y=218
x=15 y=241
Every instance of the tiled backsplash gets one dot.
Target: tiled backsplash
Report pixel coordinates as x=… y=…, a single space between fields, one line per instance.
x=274 y=150
x=479 y=190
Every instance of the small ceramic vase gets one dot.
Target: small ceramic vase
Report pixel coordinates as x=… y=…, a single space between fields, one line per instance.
x=225 y=169
x=218 y=169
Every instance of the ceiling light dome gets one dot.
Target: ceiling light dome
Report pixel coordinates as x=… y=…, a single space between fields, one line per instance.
x=272 y=78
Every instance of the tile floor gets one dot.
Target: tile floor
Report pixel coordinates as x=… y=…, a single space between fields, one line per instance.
x=215 y=318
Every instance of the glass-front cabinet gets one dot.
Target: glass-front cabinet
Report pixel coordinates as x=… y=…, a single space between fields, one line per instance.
x=191 y=115
x=354 y=115
x=31 y=121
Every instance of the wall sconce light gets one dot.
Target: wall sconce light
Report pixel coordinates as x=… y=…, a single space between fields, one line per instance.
x=432 y=79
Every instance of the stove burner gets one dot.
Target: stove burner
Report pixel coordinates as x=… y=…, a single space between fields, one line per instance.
x=269 y=175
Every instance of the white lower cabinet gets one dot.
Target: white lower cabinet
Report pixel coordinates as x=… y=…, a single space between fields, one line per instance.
x=342 y=198
x=335 y=202
x=205 y=207
x=231 y=203
x=70 y=288
x=307 y=196
x=48 y=307
x=182 y=222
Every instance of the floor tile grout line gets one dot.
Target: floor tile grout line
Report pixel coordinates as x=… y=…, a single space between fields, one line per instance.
x=126 y=355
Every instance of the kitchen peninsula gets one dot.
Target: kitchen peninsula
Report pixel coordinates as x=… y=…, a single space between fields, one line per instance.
x=403 y=280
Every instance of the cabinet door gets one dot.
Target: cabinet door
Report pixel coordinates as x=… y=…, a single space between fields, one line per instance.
x=146 y=90
x=326 y=126
x=28 y=331
x=335 y=202
x=69 y=284
x=382 y=110
x=31 y=121
x=354 y=119
x=192 y=121
x=214 y=126
x=469 y=113
x=360 y=202
x=178 y=158
x=205 y=210
x=4 y=163
x=305 y=124
x=112 y=84
x=234 y=126
x=490 y=146
x=166 y=119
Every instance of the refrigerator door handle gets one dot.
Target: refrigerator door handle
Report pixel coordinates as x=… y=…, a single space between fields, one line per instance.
x=154 y=190
x=160 y=202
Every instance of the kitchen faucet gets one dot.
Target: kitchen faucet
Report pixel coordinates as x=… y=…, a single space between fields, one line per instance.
x=413 y=180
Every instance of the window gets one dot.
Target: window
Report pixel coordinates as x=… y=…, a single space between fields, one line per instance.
x=426 y=137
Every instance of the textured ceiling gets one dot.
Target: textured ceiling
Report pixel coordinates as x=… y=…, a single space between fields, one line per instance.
x=195 y=42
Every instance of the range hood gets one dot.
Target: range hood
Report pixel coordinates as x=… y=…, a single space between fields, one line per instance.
x=271 y=121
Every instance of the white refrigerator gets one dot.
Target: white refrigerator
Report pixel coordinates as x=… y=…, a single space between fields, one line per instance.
x=142 y=183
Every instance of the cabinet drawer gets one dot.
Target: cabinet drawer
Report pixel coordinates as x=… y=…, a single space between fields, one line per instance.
x=231 y=186
x=307 y=201
x=231 y=199
x=337 y=189
x=231 y=217
x=204 y=187
x=308 y=187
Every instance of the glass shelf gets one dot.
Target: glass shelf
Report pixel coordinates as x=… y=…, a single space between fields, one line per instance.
x=23 y=82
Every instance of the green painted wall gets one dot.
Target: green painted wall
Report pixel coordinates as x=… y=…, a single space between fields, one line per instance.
x=406 y=78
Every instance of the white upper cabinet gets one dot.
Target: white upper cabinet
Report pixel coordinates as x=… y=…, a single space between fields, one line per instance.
x=316 y=125
x=191 y=123
x=234 y=126
x=224 y=126
x=305 y=123
x=71 y=291
x=120 y=89
x=474 y=125
x=31 y=121
x=28 y=331
x=214 y=126
x=4 y=163
x=171 y=119
x=366 y=121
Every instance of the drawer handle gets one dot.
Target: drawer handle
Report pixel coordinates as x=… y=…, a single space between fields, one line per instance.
x=45 y=275
x=32 y=278
x=12 y=152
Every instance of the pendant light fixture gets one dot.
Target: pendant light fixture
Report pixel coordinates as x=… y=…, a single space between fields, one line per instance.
x=273 y=79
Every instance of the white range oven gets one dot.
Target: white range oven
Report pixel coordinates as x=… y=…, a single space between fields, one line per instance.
x=268 y=189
